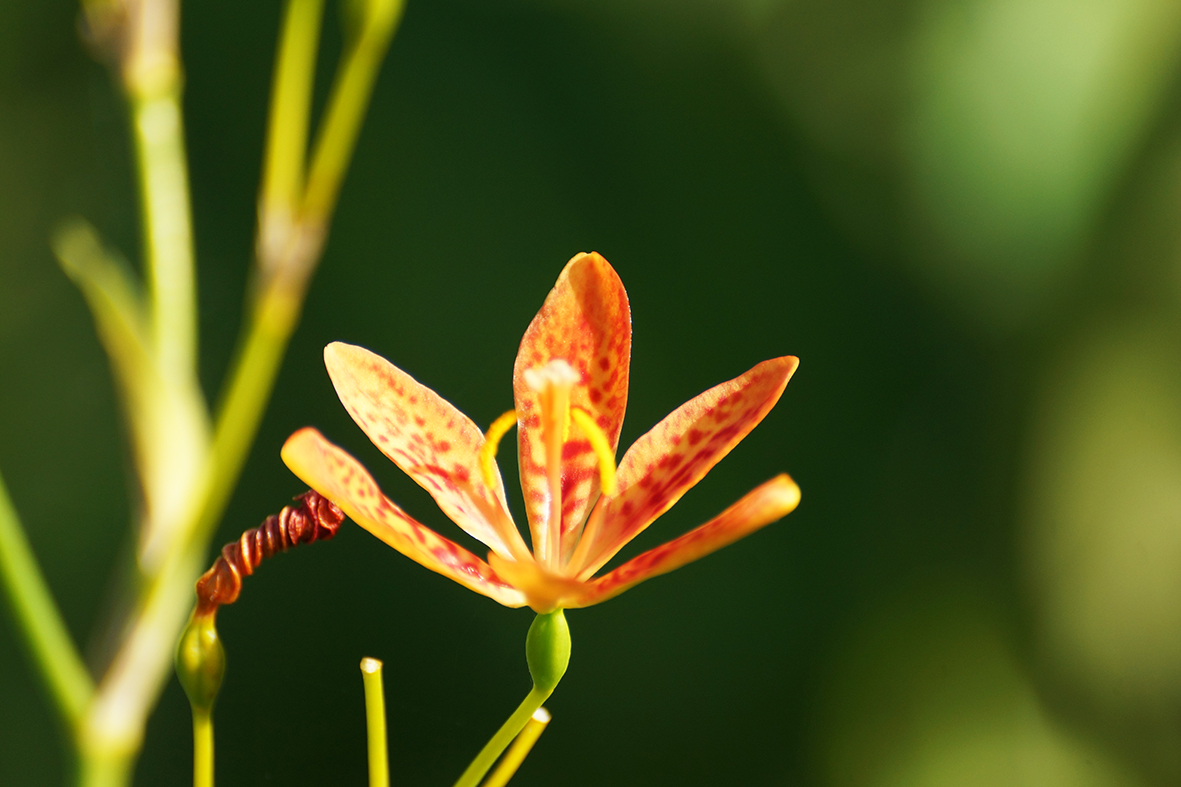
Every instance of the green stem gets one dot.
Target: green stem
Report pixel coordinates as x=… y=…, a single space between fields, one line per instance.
x=287 y=131
x=503 y=737
x=38 y=618
x=379 y=761
x=168 y=235
x=202 y=748
x=250 y=383
x=346 y=108
x=520 y=749
x=285 y=275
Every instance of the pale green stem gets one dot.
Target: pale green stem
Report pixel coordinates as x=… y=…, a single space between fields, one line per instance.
x=202 y=748
x=520 y=749
x=379 y=761
x=168 y=238
x=347 y=104
x=503 y=737
x=38 y=618
x=287 y=131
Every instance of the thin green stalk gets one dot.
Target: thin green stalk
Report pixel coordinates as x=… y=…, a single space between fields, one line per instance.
x=503 y=737
x=347 y=104
x=287 y=131
x=379 y=761
x=38 y=618
x=283 y=285
x=202 y=748
x=520 y=749
x=251 y=381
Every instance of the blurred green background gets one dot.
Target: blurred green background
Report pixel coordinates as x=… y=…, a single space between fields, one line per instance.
x=962 y=215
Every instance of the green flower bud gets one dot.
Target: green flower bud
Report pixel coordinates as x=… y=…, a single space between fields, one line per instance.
x=200 y=662
x=547 y=649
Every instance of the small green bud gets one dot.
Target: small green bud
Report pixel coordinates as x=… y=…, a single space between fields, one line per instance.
x=200 y=662
x=547 y=649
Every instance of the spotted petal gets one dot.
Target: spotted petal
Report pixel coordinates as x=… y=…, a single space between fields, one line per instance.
x=767 y=503
x=677 y=453
x=341 y=478
x=428 y=438
x=585 y=321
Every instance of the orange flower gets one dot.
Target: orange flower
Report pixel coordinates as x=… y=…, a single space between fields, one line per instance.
x=570 y=388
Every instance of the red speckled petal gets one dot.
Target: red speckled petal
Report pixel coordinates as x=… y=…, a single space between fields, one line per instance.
x=585 y=321
x=773 y=500
x=341 y=478
x=428 y=438
x=676 y=454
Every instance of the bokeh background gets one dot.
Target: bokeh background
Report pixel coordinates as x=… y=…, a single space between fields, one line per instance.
x=962 y=215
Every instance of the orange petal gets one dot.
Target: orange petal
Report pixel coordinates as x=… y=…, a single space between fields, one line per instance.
x=340 y=478
x=433 y=443
x=762 y=506
x=676 y=454
x=585 y=321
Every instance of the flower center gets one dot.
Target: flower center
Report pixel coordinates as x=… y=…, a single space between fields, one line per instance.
x=553 y=383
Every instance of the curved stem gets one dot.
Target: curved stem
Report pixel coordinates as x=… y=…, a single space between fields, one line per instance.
x=202 y=748
x=503 y=737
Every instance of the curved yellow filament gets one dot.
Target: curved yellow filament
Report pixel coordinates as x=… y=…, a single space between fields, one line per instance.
x=600 y=445
x=496 y=431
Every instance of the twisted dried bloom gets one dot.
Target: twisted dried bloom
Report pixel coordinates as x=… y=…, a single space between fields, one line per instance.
x=316 y=518
x=570 y=389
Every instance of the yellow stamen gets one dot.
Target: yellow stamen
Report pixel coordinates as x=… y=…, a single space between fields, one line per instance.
x=492 y=439
x=601 y=446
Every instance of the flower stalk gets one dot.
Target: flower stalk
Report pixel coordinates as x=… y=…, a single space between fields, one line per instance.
x=503 y=737
x=522 y=745
x=201 y=666
x=547 y=651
